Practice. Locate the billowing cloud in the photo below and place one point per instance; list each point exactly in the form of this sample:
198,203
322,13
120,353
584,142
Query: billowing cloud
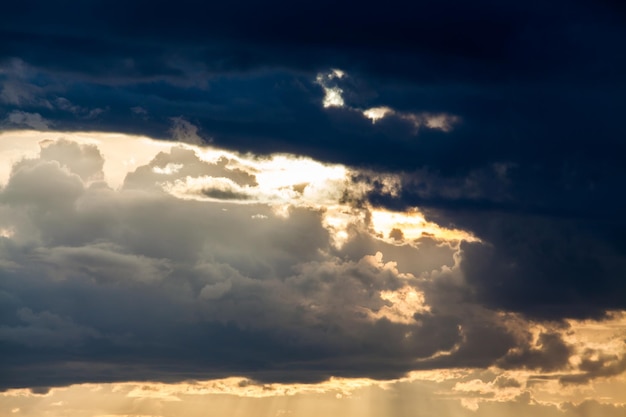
417,200
257,289
295,282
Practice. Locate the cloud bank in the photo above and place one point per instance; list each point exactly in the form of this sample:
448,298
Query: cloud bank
417,200
204,264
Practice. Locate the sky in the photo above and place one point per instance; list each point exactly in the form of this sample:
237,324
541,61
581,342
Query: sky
327,208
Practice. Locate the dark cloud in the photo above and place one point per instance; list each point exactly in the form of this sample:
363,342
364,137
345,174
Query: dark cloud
545,266
517,75
596,364
532,165
549,354
552,231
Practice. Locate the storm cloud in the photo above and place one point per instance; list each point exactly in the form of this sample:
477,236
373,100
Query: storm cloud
323,190
142,282
137,275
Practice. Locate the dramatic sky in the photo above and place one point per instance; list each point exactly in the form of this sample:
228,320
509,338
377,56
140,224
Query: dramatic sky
401,209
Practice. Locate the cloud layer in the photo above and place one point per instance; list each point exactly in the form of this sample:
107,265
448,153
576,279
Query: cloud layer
500,119
423,198
163,278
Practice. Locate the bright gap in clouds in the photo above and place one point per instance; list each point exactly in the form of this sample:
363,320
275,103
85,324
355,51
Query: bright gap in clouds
123,153
282,181
412,225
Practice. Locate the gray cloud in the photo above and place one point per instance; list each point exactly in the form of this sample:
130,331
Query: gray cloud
25,119
151,274
45,329
503,119
96,279
184,131
550,353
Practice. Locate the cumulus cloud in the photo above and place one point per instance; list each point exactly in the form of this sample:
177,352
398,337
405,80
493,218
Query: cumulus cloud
216,287
86,161
147,265
181,163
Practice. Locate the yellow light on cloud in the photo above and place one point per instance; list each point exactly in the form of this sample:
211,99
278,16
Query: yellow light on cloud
413,226
377,113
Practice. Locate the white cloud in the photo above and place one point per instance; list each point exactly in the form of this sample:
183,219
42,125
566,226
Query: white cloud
333,97
377,113
332,94
440,121
181,257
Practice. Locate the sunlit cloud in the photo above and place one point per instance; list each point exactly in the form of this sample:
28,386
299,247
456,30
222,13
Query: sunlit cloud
168,169
333,97
313,210
281,181
443,122
332,94
377,113
404,304
369,269
411,225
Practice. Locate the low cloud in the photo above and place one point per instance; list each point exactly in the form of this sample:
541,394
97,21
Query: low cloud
298,287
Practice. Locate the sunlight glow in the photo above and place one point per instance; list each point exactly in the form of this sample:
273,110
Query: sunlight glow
122,153
333,97
377,113
413,225
283,181
332,94
443,122
404,303
168,169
